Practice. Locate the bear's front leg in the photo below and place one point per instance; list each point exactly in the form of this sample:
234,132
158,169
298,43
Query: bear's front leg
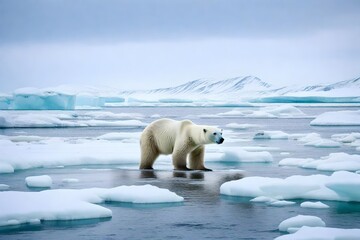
197,159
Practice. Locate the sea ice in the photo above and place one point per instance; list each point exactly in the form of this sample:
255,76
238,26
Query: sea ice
120,136
338,118
340,186
313,205
332,162
282,111
281,203
300,221
4,187
39,181
241,126
43,120
232,154
6,168
74,204
271,135
322,233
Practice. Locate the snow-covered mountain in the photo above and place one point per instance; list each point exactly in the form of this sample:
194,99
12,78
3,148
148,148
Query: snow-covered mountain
250,86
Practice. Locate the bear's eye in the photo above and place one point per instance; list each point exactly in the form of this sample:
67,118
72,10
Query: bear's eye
214,133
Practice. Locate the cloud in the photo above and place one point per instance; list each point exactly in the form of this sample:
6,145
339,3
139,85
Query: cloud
152,20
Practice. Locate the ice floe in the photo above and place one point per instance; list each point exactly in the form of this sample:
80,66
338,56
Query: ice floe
43,181
112,148
340,186
338,118
43,120
4,187
282,111
332,162
313,205
294,223
322,233
271,135
244,126
71,204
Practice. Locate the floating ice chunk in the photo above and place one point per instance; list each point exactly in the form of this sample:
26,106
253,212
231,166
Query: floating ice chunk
4,187
340,186
281,203
6,168
263,199
300,221
313,205
271,135
23,138
39,181
99,115
141,194
120,136
284,111
322,233
72,204
238,155
241,126
338,118
323,143
332,162
346,137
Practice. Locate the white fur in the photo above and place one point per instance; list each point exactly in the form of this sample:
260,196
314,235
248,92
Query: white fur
179,138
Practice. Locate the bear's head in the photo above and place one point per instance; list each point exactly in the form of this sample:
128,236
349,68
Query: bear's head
213,135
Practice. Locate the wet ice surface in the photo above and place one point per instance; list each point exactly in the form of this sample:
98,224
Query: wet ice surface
204,213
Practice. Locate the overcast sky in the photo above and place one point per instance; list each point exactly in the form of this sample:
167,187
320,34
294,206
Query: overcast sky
141,44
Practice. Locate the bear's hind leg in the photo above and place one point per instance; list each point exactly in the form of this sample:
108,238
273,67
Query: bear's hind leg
149,153
197,159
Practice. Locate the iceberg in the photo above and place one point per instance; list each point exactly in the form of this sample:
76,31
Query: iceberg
75,204
337,118
322,233
340,186
36,99
300,221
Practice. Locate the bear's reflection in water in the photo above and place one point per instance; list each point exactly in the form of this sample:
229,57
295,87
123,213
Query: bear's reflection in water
185,183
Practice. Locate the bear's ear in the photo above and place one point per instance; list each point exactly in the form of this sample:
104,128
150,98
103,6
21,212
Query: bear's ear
204,130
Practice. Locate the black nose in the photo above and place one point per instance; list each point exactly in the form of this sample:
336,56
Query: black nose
221,141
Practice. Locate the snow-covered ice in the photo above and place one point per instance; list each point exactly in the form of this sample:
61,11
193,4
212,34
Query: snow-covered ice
4,187
332,162
318,204
71,204
299,221
271,135
282,111
43,181
338,118
322,233
340,186
244,126
46,119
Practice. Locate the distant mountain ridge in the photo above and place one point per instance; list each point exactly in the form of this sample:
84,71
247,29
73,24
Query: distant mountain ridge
249,85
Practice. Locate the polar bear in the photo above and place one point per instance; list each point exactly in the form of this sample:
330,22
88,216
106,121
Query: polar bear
179,138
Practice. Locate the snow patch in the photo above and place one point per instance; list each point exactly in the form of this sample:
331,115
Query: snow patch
313,205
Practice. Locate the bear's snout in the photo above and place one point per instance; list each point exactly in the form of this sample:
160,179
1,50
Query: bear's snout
220,141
